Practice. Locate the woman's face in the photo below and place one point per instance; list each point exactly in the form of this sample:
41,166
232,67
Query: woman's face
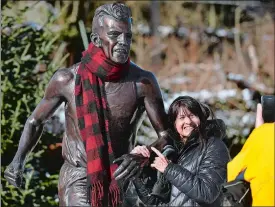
186,122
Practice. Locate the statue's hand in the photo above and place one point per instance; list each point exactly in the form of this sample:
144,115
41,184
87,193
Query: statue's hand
131,166
14,174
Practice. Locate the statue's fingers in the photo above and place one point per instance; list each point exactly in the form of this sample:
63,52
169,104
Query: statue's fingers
120,159
9,176
124,172
12,181
133,173
7,173
8,170
122,167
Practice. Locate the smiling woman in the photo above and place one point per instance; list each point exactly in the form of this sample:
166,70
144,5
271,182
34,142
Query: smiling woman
197,167
186,122
187,115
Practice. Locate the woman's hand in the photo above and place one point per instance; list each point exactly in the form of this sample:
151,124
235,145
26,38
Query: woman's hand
141,150
160,162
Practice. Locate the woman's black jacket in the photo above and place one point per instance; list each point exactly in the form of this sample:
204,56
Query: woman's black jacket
194,178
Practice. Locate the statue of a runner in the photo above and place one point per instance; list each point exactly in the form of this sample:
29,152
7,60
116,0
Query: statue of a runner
105,97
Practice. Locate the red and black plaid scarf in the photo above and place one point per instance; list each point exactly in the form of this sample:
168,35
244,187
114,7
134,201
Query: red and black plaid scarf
93,122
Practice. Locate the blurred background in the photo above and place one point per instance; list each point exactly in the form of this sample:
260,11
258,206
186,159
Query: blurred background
220,52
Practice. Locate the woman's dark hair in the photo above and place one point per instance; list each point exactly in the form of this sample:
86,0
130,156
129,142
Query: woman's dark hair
195,107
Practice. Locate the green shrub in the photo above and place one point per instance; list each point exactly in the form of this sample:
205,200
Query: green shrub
26,53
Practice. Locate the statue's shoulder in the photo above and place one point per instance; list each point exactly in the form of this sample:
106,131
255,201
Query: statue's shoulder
65,75
146,81
141,73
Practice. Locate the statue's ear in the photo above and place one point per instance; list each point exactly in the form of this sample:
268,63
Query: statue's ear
95,39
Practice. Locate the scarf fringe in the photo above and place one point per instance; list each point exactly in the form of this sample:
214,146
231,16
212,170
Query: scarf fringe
114,196
98,195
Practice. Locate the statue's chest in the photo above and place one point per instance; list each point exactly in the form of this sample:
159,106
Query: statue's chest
122,99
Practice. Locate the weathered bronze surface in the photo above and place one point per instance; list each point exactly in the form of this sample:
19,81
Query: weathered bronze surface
137,92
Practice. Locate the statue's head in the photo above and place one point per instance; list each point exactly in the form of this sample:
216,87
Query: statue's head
112,31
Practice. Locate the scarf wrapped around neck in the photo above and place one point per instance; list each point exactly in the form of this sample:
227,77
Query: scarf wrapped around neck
93,122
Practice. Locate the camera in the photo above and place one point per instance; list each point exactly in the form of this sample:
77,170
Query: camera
268,106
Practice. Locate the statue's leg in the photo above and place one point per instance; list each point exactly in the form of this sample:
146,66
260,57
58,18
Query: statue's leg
72,186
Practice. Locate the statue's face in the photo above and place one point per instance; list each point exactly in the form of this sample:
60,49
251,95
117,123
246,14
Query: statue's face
116,39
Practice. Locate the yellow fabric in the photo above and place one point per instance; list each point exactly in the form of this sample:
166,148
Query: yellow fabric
257,157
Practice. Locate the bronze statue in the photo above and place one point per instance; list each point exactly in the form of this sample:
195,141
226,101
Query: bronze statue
128,97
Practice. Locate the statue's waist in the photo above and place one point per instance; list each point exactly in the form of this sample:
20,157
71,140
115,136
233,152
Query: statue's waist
73,150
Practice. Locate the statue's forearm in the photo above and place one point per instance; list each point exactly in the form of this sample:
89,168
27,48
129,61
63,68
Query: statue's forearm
164,138
34,126
30,136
